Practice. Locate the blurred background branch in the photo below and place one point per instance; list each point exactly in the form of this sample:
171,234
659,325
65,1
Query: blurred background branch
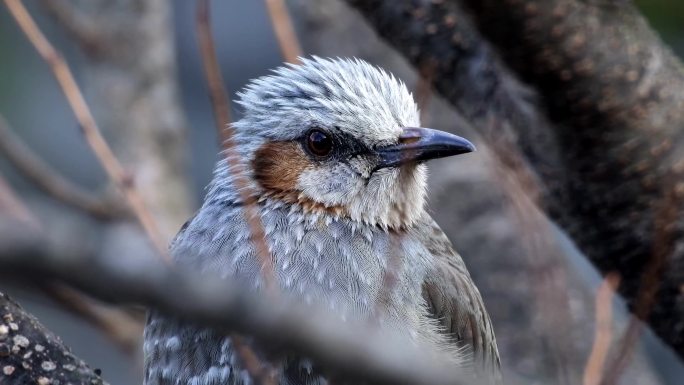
603,335
611,128
47,179
284,30
91,131
132,82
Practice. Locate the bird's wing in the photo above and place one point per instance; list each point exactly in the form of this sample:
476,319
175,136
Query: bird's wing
456,304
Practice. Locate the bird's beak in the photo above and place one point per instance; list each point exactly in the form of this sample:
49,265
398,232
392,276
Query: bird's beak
419,144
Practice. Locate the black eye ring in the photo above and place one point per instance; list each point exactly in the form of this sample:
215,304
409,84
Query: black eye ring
319,143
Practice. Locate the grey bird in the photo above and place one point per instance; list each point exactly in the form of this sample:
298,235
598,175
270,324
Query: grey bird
334,153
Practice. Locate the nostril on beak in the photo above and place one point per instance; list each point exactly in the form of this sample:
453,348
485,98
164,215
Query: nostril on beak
409,135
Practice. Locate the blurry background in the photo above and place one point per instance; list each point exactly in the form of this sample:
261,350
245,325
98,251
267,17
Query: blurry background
537,343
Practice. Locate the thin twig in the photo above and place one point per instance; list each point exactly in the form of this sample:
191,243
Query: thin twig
593,371
212,71
51,182
220,105
89,127
284,30
232,156
12,206
666,213
117,325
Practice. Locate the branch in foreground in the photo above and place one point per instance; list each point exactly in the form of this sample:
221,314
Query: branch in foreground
117,325
31,354
349,353
221,108
217,92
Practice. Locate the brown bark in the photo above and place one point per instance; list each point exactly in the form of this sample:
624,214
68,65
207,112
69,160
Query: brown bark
612,150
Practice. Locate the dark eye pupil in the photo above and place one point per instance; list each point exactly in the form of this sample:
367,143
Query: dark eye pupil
319,143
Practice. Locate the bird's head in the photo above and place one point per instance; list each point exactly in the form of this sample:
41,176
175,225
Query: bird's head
339,137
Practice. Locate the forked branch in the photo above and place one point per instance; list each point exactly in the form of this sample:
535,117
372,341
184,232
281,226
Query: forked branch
91,132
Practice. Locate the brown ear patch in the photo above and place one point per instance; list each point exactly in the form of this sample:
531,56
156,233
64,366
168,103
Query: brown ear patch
278,165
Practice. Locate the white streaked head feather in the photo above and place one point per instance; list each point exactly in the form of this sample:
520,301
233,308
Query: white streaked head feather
348,95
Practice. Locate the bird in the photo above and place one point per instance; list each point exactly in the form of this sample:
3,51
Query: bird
333,156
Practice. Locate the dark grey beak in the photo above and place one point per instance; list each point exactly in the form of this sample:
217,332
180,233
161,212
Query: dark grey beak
419,144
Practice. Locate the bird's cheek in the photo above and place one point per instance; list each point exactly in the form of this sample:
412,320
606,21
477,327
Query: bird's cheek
278,166
362,166
323,186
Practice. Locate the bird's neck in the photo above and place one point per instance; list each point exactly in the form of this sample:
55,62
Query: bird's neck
392,202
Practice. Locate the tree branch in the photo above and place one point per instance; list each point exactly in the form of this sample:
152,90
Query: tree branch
352,353
615,136
614,90
284,30
603,334
220,105
49,180
31,354
83,28
217,91
118,326
91,131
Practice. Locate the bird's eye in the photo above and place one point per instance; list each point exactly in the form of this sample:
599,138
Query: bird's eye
319,143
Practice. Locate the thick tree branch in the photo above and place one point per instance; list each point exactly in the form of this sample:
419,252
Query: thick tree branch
31,354
350,353
614,89
613,92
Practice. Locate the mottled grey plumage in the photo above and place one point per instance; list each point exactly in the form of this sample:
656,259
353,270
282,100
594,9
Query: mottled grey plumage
334,225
